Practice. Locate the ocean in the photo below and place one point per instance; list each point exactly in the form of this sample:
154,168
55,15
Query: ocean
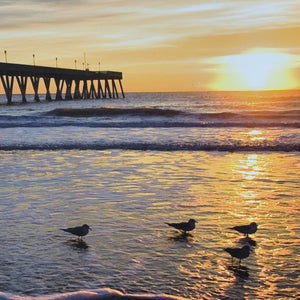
126,167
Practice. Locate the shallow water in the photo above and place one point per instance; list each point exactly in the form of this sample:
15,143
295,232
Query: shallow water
126,196
127,166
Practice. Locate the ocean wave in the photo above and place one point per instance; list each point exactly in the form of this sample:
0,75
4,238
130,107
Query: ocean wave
104,111
150,111
38,122
144,146
107,294
253,115
145,117
152,125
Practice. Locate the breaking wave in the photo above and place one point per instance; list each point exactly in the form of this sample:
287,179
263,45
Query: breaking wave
145,146
103,111
147,111
145,117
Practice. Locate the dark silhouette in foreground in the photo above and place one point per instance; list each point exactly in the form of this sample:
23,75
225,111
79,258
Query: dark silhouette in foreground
80,231
184,226
238,253
246,229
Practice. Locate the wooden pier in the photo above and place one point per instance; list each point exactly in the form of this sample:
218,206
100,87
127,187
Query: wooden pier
68,83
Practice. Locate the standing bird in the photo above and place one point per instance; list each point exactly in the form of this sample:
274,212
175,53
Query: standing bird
239,253
80,231
184,226
246,229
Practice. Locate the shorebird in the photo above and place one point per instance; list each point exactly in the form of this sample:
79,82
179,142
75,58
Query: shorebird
239,253
184,226
246,229
80,231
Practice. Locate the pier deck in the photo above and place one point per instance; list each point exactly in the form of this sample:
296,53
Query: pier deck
69,83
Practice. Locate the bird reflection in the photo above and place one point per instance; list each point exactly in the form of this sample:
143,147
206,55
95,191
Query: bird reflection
242,271
247,240
80,244
182,237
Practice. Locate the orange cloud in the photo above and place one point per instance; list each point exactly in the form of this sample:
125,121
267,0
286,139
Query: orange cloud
169,45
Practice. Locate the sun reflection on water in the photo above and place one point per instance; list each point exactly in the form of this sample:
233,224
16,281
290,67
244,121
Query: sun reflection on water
256,135
127,197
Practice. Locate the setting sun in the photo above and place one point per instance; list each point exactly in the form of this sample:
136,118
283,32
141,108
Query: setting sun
256,70
174,46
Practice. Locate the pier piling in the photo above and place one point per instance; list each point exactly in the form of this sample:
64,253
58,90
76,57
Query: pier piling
47,85
22,81
35,83
8,83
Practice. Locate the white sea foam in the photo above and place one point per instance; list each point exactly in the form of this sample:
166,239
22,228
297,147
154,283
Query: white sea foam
106,294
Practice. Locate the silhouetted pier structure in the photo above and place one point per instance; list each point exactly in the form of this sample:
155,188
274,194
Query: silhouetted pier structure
70,83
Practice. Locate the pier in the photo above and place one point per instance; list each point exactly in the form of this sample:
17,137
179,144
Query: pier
68,83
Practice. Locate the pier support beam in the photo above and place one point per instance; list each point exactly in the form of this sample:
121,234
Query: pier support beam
22,81
47,85
68,95
85,92
35,84
8,83
121,87
59,87
100,90
92,93
77,94
114,89
107,88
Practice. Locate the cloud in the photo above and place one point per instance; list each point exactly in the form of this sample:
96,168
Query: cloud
148,16
156,34
143,22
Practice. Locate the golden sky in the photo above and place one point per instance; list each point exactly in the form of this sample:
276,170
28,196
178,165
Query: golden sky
165,45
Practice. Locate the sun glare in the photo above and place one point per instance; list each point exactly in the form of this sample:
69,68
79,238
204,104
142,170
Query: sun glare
256,70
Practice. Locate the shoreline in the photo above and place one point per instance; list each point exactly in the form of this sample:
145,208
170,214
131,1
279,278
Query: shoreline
105,293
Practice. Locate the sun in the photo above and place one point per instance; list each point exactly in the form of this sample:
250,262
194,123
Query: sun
255,70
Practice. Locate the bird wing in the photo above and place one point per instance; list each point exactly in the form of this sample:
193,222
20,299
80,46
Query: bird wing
73,230
242,228
177,225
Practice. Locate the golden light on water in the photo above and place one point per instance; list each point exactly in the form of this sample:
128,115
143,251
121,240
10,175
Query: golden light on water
256,70
256,135
243,188
251,167
128,195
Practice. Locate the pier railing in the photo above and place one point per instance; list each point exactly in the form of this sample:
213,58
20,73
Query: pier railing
69,83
